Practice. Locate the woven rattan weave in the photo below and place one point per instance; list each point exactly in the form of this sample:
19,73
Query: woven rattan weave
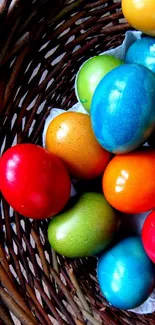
42,45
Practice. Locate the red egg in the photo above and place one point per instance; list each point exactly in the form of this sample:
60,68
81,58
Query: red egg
148,235
33,181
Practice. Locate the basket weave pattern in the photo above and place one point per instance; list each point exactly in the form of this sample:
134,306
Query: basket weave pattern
43,43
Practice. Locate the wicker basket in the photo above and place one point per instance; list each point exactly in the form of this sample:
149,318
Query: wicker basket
43,43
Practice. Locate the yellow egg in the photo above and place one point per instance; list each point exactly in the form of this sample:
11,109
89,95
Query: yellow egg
140,14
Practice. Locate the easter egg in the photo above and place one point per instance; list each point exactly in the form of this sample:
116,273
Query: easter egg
142,52
85,228
90,74
126,274
140,15
148,235
33,181
70,137
128,181
123,110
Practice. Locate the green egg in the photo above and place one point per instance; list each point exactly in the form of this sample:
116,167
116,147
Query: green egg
85,229
90,74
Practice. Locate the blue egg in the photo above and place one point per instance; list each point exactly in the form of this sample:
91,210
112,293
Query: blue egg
126,274
123,108
142,52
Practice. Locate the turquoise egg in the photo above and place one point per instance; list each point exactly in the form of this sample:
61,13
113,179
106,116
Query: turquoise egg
123,108
126,274
142,52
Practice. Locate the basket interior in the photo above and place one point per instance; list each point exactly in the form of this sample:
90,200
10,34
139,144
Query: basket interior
43,43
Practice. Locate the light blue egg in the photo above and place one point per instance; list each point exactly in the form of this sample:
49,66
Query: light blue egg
142,52
123,108
126,275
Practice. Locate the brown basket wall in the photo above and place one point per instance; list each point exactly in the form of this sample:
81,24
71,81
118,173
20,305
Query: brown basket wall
36,285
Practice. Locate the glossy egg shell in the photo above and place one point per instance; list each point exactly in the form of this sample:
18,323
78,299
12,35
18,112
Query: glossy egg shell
71,138
148,235
128,181
126,274
33,181
140,15
85,229
123,110
90,74
142,52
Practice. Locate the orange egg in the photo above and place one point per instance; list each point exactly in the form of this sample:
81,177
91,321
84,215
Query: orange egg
70,137
140,14
128,181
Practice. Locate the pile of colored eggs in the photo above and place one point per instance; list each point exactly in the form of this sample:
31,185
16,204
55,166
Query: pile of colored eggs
105,143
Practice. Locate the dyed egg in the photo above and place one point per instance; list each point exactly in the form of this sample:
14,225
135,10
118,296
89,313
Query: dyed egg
123,110
142,52
85,229
148,235
90,74
33,181
128,181
140,15
126,274
71,138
